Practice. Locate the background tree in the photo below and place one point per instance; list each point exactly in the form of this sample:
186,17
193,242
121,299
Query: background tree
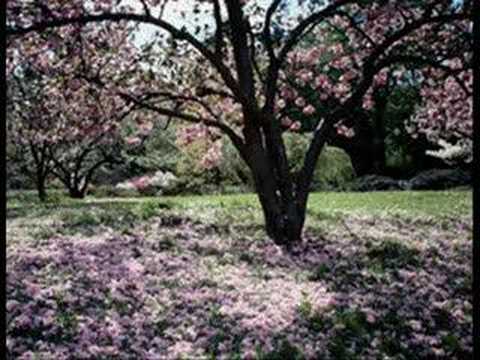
445,115
27,125
82,123
380,35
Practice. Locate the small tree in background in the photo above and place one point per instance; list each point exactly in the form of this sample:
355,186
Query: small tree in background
27,125
73,122
445,115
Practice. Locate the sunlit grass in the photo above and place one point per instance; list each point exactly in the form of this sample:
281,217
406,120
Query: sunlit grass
404,203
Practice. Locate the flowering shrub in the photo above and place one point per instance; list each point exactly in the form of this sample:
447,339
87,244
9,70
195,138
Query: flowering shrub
445,116
161,182
461,151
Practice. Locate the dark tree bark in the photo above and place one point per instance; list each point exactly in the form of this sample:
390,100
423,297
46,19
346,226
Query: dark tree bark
360,148
77,177
378,143
367,148
42,193
41,159
76,193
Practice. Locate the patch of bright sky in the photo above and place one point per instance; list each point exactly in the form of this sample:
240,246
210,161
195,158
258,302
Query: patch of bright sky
190,21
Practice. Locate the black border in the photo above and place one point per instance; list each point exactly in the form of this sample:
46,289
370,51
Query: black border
3,201
475,171
476,180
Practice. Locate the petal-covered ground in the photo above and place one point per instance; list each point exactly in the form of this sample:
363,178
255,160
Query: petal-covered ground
146,281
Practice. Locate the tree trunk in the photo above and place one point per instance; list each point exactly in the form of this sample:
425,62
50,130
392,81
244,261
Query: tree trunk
283,222
378,142
365,148
283,219
76,193
42,194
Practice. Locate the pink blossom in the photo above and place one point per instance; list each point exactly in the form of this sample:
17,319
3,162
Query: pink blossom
308,110
300,102
295,126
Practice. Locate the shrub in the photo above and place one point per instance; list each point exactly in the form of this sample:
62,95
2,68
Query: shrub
334,170
234,171
231,175
158,183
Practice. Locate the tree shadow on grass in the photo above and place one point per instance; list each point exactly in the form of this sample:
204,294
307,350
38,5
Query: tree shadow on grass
412,302
192,289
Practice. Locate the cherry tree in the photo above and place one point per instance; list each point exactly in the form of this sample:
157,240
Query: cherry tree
232,76
445,114
26,128
72,122
329,67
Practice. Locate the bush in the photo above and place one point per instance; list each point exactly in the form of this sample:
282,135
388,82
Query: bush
160,183
105,191
231,175
334,170
234,171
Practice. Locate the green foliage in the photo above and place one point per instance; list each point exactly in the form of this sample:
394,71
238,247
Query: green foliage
158,152
352,328
121,216
232,175
234,170
319,273
305,308
334,170
193,179
285,351
391,253
161,151
84,218
451,343
354,322
399,146
313,318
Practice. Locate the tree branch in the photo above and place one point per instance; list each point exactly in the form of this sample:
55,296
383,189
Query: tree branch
236,139
314,18
267,35
147,19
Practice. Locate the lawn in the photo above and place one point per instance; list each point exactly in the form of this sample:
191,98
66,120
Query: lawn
378,275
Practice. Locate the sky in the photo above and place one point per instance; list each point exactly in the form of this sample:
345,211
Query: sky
172,15
174,9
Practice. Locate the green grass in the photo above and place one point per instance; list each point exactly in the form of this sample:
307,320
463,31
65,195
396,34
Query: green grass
321,205
432,203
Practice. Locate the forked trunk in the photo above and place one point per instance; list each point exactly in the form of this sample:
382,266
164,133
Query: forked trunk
42,194
284,218
76,193
283,224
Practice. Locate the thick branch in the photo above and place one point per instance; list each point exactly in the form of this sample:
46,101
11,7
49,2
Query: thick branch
267,35
219,28
144,18
237,140
314,18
